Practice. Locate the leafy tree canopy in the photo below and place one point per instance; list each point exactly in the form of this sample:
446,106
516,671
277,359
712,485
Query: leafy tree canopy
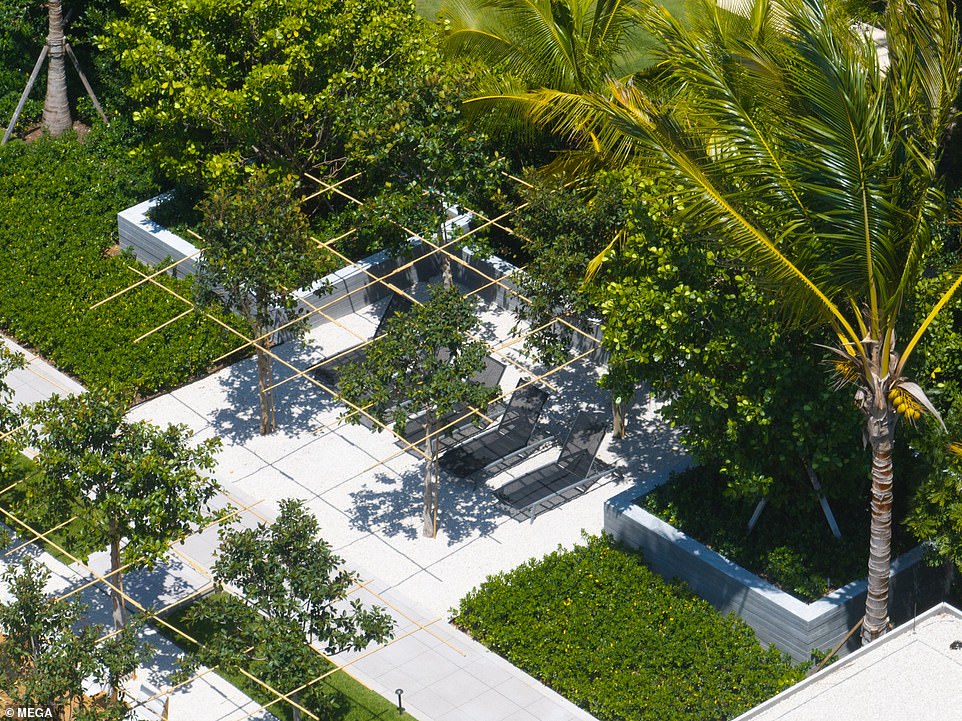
751,394
257,247
128,482
257,250
424,365
224,83
296,590
47,651
797,147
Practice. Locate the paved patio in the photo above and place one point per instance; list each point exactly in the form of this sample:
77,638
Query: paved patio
365,489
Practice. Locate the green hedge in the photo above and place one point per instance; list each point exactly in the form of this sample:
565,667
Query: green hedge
791,547
603,630
58,216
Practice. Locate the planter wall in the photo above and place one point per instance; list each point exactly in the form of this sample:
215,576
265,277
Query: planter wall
349,289
777,617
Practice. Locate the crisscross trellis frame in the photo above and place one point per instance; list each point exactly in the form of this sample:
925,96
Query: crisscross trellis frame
445,247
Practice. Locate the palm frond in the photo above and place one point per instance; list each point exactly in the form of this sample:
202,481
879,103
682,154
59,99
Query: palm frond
929,318
636,118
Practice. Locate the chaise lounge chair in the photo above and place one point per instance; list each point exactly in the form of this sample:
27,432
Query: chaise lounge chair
575,469
510,440
489,377
326,370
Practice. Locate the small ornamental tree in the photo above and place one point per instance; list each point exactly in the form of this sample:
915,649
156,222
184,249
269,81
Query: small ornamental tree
9,361
423,365
46,651
563,230
133,486
258,250
297,592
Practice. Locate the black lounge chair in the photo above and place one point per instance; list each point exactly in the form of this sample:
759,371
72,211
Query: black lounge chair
489,377
572,470
510,440
326,370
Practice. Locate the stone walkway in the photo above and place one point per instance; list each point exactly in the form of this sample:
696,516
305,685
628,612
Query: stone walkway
38,380
363,489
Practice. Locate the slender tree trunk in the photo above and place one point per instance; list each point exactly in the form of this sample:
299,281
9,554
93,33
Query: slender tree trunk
881,428
56,106
429,515
265,375
619,417
116,577
295,711
265,393
447,277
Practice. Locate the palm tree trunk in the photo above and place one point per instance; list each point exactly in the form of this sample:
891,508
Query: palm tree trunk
429,514
56,106
881,427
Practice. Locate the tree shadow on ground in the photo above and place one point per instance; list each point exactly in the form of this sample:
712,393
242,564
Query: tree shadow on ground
650,448
393,507
297,401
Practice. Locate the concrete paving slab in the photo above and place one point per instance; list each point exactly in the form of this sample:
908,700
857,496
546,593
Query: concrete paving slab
367,498
459,687
429,705
167,409
38,380
395,567
490,705
237,462
266,484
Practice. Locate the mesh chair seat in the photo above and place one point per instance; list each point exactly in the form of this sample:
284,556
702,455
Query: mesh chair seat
572,469
513,433
489,377
326,370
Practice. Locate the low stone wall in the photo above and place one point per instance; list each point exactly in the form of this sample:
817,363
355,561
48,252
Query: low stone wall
338,294
778,618
153,243
350,289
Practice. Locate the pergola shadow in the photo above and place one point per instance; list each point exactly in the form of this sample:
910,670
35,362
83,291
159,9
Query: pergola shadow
393,507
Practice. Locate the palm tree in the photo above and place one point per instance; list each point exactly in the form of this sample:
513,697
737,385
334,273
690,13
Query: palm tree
818,164
571,46
56,106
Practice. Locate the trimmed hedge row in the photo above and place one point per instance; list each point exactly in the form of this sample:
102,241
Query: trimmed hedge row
603,630
791,547
58,205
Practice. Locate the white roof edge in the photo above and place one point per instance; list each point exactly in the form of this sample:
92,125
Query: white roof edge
907,627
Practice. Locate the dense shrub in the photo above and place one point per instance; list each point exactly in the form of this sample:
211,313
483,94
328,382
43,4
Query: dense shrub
58,206
791,546
603,630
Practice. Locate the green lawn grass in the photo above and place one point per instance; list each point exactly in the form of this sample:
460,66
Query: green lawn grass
356,701
14,502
